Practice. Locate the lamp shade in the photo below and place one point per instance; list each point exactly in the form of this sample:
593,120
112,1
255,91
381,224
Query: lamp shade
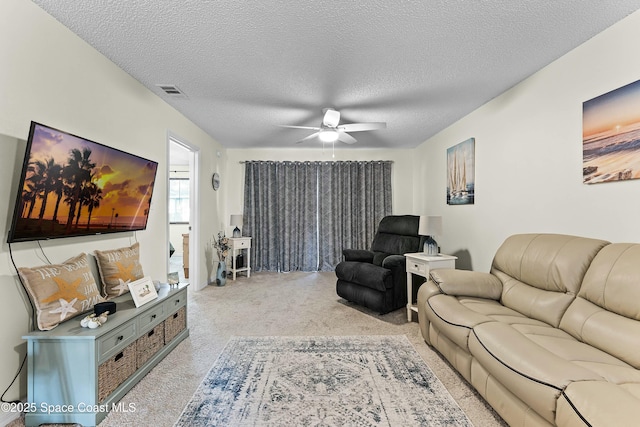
236,220
430,226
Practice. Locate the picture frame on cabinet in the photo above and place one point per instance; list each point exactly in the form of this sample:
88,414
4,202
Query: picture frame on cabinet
173,278
142,291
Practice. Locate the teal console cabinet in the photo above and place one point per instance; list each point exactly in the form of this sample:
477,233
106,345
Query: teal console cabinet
78,375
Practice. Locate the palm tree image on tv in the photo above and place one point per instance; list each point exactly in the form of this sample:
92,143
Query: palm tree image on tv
72,186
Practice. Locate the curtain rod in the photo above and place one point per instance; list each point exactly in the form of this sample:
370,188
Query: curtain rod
317,161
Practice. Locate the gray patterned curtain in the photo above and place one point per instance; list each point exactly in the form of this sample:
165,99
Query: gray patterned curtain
302,214
354,196
260,214
297,215
280,214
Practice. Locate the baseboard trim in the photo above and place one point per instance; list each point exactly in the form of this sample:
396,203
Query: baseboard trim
7,417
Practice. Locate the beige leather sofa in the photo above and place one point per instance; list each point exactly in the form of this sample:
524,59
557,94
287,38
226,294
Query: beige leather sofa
551,336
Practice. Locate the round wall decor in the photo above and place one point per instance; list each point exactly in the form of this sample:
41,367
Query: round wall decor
215,181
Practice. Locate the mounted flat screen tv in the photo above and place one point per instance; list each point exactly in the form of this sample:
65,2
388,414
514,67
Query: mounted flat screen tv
71,186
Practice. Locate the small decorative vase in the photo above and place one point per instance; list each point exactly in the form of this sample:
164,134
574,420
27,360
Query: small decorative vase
221,274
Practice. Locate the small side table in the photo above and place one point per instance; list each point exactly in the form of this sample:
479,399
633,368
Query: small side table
421,264
238,244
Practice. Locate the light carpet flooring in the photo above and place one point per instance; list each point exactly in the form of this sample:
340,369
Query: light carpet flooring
286,304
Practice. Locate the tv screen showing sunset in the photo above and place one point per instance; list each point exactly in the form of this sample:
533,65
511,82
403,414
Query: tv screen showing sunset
71,186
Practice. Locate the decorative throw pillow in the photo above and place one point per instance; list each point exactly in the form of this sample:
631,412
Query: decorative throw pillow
117,268
61,291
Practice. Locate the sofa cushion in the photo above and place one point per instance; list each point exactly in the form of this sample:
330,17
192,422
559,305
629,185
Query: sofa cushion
582,404
364,274
456,316
378,258
541,273
397,234
612,280
606,312
404,225
532,372
395,244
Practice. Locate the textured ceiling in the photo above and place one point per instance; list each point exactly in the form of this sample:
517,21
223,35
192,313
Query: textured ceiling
246,67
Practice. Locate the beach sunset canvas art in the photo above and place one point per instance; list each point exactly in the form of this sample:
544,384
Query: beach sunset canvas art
611,136
71,186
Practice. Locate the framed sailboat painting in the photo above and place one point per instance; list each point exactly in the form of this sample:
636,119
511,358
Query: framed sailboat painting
461,173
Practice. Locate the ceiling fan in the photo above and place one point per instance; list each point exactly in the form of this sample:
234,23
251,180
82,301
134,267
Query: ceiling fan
331,131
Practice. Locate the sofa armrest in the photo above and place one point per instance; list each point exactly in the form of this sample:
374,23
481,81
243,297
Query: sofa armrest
467,283
394,261
358,255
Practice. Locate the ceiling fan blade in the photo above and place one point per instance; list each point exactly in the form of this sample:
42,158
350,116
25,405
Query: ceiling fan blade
346,138
313,135
359,127
299,127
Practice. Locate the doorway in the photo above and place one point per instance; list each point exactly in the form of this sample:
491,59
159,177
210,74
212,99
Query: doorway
183,208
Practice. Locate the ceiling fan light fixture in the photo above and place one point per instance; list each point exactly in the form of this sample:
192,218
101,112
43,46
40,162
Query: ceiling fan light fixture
331,131
328,135
331,117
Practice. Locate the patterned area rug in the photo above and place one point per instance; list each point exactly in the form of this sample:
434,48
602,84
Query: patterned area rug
321,381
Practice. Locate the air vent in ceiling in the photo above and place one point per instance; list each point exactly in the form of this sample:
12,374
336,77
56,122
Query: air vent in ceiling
172,91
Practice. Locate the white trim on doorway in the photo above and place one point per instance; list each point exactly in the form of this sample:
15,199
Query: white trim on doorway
194,207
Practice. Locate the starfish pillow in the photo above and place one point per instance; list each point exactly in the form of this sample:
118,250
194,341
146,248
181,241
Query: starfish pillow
117,268
61,291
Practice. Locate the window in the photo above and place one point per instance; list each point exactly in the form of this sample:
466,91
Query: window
179,201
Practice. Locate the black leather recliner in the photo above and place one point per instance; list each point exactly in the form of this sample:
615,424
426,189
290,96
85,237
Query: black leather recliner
377,278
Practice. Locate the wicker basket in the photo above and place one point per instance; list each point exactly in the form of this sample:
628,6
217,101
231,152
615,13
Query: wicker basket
174,324
149,344
114,371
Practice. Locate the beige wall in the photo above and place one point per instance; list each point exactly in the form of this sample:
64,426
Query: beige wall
529,157
51,76
401,182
